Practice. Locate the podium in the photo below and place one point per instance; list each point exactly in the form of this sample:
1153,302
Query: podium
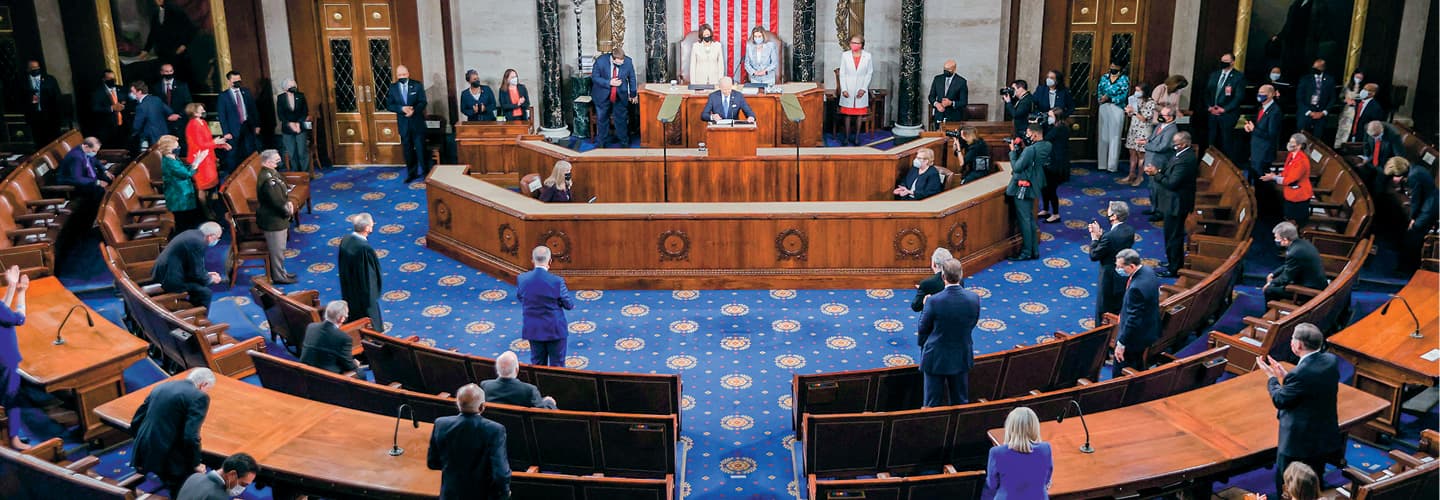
732,140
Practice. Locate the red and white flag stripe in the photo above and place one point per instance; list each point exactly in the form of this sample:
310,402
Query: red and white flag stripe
732,20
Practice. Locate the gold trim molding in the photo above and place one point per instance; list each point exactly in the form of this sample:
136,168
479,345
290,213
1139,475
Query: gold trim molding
1242,32
1357,36
111,51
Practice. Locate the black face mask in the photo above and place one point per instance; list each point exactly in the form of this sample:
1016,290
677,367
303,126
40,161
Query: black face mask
235,84
949,73
110,82
475,84
1225,65
404,80
293,89
1318,70
1114,71
34,72
567,177
706,38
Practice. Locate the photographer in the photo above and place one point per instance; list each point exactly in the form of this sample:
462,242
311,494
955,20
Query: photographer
973,153
1018,104
1027,179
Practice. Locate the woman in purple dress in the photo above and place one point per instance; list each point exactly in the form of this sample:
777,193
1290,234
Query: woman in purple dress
1020,468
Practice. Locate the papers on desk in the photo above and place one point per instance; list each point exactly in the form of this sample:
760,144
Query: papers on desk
1431,356
750,91
724,121
14,158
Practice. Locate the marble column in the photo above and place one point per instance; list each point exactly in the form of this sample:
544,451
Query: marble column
908,119
656,69
803,45
552,109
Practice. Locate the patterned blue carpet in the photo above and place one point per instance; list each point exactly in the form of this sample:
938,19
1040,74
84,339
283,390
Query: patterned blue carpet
736,350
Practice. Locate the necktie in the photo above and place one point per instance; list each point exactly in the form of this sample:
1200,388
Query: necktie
405,94
90,168
1355,125
292,100
1375,156
239,105
614,73
948,79
35,84
168,87
1261,116
1220,85
119,119
726,105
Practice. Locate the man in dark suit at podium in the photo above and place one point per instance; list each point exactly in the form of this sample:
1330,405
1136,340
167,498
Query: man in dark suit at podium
612,89
946,346
1305,400
726,104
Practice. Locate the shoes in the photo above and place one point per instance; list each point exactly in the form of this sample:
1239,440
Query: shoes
1126,180
290,276
1165,273
410,179
1053,218
283,281
1155,218
1043,214
1137,181
1021,258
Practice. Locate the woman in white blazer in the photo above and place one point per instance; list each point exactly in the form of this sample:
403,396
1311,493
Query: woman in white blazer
707,59
855,72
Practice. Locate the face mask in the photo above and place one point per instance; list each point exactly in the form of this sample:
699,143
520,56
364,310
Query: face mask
110,82
1291,147
949,73
236,491
90,154
1122,272
168,77
1260,98
1225,65
855,46
706,38
514,80
475,84
1049,82
1358,80
759,39
567,176
134,97
1274,77
917,163
235,84
404,80
212,243
1139,93
1317,70
1050,119
1279,244
1114,71
1162,119
34,72
1364,94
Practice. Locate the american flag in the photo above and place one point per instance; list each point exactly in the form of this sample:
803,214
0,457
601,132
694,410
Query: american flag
732,21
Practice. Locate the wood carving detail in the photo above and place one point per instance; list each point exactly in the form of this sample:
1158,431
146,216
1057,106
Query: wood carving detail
509,242
674,246
956,236
559,244
442,213
791,244
910,244
849,21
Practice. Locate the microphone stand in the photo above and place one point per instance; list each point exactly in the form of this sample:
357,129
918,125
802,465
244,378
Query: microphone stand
1415,334
61,340
395,449
1084,448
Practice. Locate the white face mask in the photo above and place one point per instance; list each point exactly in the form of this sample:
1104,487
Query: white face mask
1274,77
918,163
514,81
1364,94
1358,80
1049,82
1050,119
1139,93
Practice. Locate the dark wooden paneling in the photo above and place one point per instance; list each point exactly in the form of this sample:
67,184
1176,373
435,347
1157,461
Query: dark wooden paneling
1161,20
407,51
1053,43
1427,94
1377,54
1217,29
448,31
249,56
305,52
82,44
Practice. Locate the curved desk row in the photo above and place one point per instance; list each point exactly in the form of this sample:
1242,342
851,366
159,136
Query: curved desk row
719,245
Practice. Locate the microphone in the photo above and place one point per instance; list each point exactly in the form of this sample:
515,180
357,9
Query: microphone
1386,310
61,340
395,449
1084,448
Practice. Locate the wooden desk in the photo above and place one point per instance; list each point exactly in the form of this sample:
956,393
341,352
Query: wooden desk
1187,439
303,445
90,362
489,148
688,129
1385,356
736,140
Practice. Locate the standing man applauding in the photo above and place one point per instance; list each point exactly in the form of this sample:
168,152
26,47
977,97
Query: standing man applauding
544,297
1305,399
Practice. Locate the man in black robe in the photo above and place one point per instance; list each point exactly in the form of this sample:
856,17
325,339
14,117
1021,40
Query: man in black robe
360,272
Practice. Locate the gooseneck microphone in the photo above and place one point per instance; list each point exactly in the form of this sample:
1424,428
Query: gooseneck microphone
61,340
1415,334
395,449
1084,448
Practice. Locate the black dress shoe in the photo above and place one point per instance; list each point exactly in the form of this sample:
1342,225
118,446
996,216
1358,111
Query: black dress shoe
1165,273
290,276
283,281
1155,218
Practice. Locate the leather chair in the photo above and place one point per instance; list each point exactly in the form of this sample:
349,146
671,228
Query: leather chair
247,241
289,313
682,56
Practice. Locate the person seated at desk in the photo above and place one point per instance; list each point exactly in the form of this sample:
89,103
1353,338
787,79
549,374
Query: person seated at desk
505,388
477,103
557,186
974,154
923,180
726,104
327,347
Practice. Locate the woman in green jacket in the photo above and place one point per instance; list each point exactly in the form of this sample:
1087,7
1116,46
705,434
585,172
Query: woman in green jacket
180,196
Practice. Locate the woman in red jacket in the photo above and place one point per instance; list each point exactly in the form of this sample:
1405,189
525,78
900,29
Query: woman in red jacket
197,139
1294,181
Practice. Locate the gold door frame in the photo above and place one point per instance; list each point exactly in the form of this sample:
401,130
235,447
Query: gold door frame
1352,49
112,52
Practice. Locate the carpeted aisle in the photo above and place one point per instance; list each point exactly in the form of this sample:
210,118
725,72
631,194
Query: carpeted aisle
736,350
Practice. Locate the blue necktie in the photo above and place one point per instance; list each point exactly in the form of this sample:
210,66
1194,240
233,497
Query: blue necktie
726,105
405,94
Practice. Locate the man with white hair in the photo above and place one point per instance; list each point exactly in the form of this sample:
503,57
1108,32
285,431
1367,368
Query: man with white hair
359,269
506,388
544,297
167,428
273,213
181,266
326,346
726,104
929,286
469,450
292,112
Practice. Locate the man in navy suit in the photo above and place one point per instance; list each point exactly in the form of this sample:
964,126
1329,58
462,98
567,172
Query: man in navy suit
167,428
1366,110
239,120
469,451
946,347
1139,312
612,89
1305,402
544,298
1314,94
407,100
175,94
150,115
726,104
41,103
1104,245
949,93
79,168
1223,91
1264,132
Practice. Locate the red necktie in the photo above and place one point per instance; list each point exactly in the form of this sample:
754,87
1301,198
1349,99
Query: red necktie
614,73
167,94
1355,126
1261,117
1375,157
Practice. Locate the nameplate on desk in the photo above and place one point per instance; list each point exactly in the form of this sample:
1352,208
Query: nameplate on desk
1431,356
1209,159
1429,158
432,123
1315,155
700,87
128,191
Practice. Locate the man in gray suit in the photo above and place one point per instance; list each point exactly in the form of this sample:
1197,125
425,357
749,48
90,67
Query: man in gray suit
507,389
1158,152
235,474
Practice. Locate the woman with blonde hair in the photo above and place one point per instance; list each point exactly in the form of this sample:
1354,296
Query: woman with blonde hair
180,197
557,186
1301,483
1020,468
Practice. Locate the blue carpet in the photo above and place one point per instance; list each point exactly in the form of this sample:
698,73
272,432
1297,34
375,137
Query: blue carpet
736,350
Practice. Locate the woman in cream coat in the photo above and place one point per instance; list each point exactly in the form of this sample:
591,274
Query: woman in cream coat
855,72
707,59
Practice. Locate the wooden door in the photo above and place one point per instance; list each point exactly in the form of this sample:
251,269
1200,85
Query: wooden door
1099,32
358,52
